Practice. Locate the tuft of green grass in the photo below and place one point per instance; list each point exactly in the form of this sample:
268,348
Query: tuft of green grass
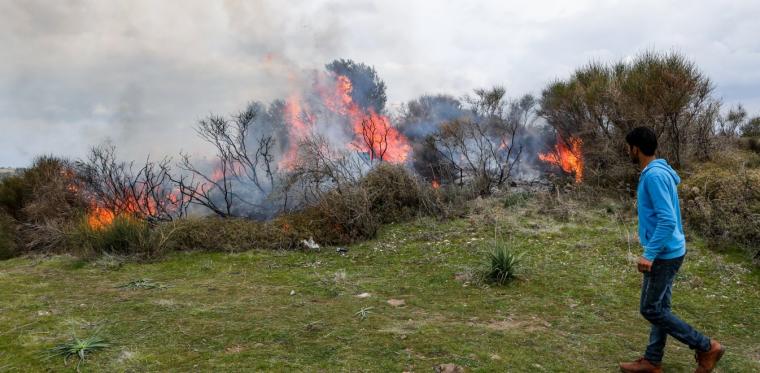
143,283
78,348
502,265
518,199
364,312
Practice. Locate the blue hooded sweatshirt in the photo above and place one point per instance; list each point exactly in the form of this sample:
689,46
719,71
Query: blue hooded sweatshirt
660,229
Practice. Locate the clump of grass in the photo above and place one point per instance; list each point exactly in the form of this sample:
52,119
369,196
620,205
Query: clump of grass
502,264
143,283
518,199
78,348
364,312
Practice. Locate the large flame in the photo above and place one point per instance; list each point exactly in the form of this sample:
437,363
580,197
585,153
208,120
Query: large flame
569,159
373,133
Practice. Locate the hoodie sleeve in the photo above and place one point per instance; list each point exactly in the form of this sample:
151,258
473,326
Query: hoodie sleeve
657,187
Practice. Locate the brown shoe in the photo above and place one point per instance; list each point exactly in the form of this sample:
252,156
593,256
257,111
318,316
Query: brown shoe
640,366
707,360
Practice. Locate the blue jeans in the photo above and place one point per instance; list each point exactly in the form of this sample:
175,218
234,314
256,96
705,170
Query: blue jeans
655,307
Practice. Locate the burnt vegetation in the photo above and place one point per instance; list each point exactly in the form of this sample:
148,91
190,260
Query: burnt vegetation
334,166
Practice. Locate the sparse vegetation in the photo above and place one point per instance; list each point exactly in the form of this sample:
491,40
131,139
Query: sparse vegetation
722,201
79,349
502,264
575,303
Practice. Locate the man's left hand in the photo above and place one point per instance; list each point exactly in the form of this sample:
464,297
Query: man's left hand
644,265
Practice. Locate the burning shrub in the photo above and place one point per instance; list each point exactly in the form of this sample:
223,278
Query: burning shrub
125,235
485,147
722,201
114,188
478,140
599,104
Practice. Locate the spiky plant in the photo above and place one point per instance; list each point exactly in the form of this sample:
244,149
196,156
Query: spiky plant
363,313
78,348
502,264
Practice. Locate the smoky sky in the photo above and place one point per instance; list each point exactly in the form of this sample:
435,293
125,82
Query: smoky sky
140,74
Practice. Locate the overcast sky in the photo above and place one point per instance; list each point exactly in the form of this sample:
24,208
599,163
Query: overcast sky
141,73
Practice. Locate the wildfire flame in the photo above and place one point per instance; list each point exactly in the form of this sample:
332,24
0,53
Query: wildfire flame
436,184
99,217
569,159
373,132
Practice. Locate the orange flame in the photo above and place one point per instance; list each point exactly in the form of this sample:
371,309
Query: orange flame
373,133
569,159
99,217
436,184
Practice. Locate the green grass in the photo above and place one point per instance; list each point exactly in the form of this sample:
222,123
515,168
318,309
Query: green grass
574,306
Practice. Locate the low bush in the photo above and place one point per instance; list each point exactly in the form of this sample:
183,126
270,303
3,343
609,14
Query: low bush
43,201
722,201
220,234
8,244
124,236
343,216
394,193
517,199
502,264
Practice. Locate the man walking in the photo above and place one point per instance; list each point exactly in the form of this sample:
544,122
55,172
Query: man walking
661,235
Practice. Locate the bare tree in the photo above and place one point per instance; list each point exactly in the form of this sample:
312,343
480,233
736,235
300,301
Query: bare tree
243,159
375,137
485,146
319,169
146,193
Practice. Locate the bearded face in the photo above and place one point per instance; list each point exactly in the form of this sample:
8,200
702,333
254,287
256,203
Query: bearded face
633,151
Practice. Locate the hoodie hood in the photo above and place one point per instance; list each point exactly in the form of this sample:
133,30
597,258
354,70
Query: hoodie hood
662,165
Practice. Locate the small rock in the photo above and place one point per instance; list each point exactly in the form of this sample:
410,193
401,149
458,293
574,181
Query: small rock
43,313
310,244
449,368
495,357
292,292
396,302
364,295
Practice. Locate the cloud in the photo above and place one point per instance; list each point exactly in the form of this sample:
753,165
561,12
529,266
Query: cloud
141,73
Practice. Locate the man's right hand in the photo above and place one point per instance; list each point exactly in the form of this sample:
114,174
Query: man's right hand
644,265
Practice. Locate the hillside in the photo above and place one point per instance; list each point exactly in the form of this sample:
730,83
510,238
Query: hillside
574,307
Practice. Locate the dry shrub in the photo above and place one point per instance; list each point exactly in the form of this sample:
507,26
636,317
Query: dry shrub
234,234
8,244
44,202
751,143
722,200
124,236
394,193
344,216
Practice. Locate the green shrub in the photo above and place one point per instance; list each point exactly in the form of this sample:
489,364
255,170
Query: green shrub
124,236
502,264
78,349
8,244
518,199
722,202
12,195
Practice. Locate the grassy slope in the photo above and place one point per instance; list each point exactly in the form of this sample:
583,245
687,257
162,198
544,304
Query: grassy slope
574,308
